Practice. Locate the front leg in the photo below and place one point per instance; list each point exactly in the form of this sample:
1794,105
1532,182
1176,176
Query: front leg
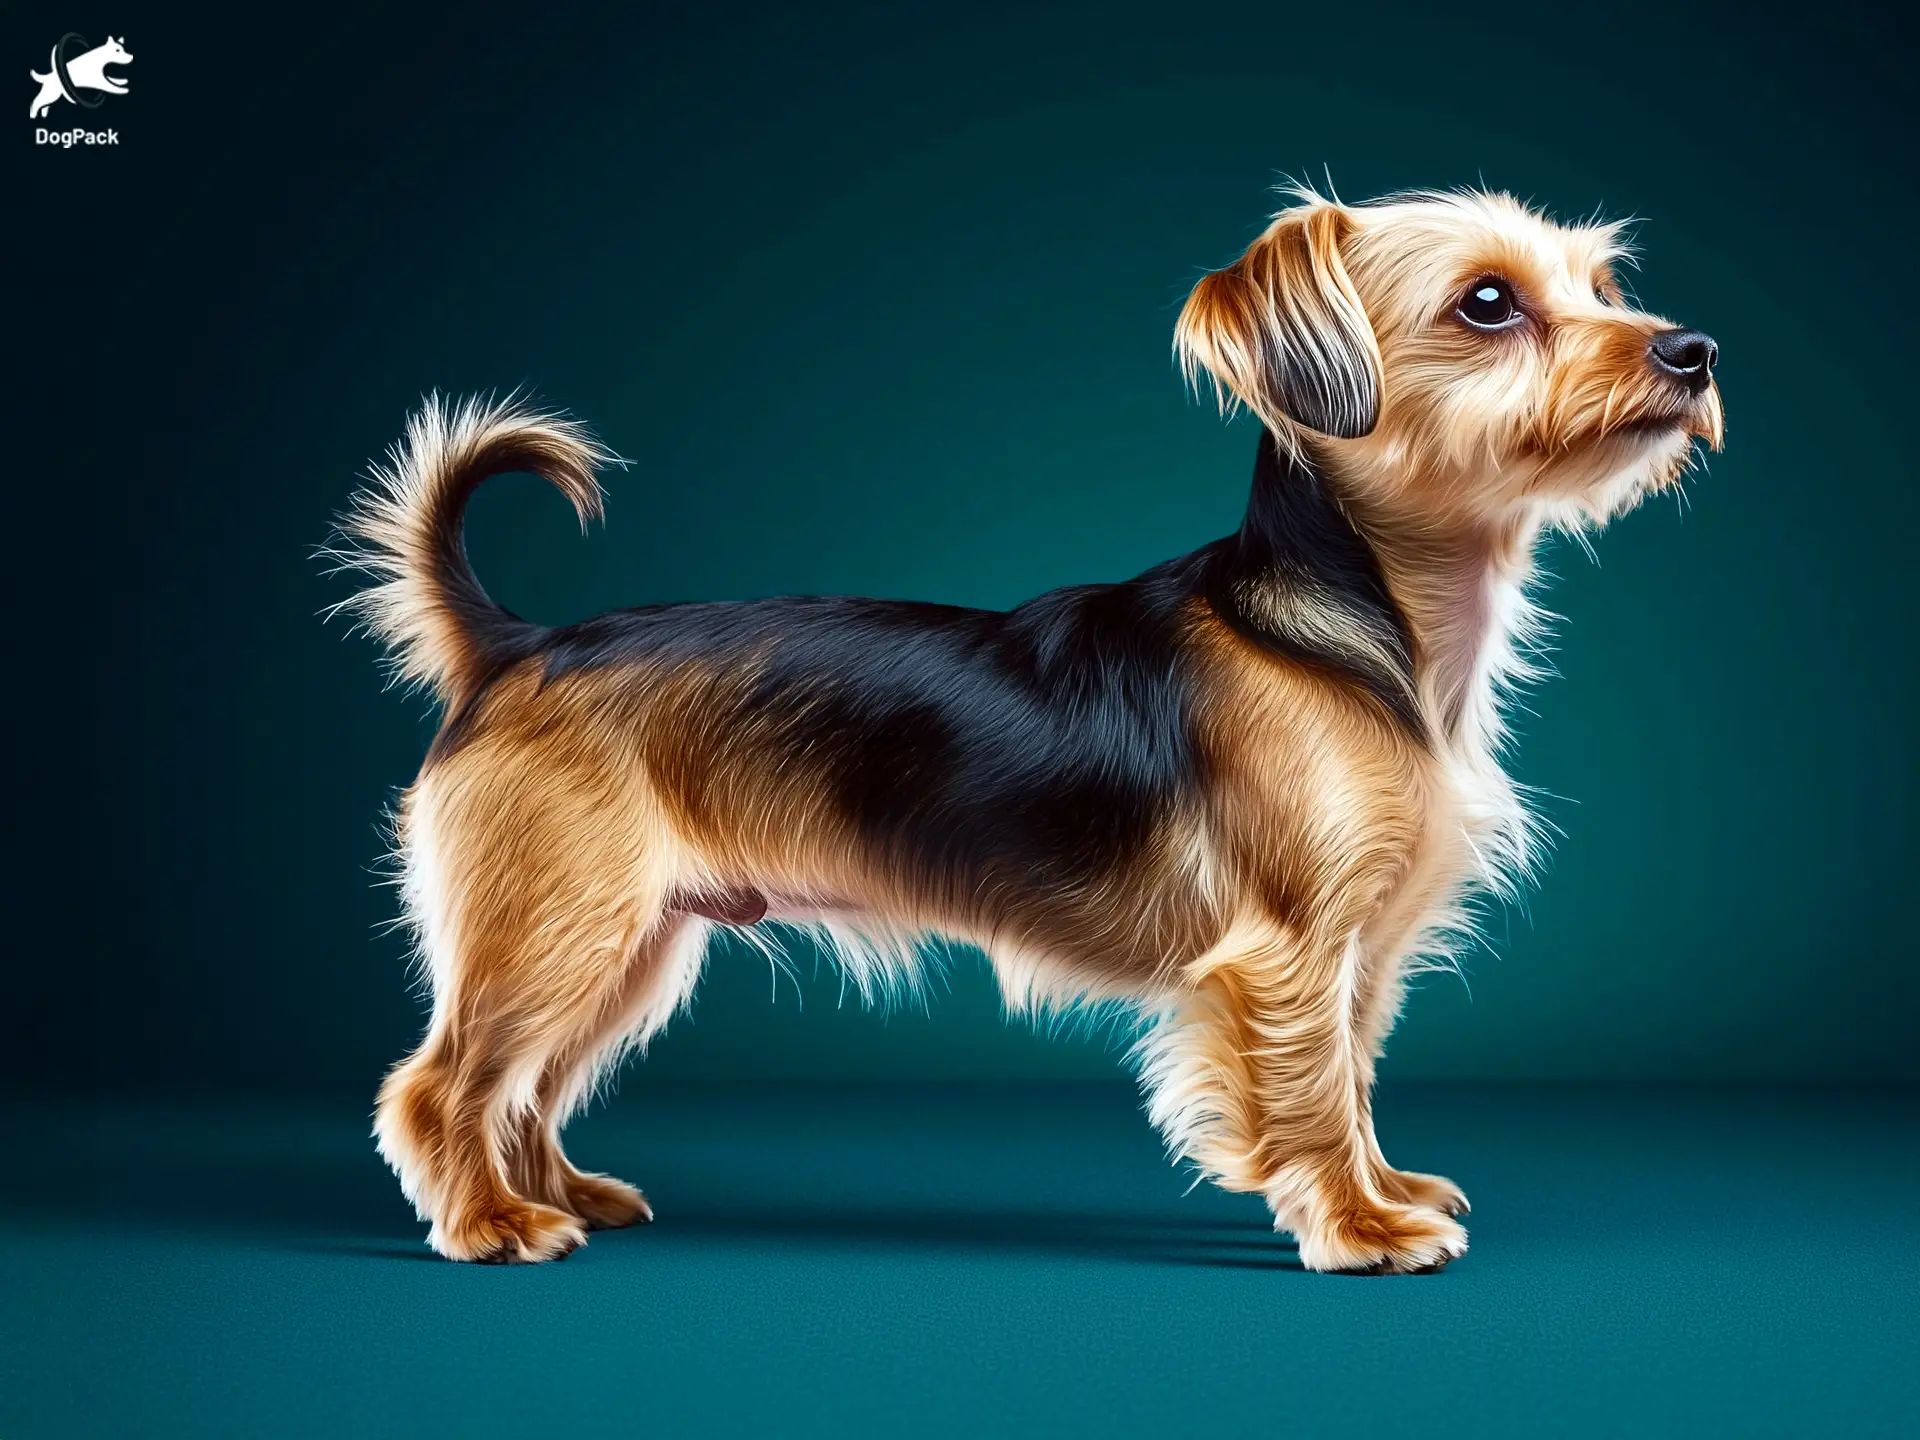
1378,995
1257,1079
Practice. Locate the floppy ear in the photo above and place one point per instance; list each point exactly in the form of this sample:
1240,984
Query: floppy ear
1282,330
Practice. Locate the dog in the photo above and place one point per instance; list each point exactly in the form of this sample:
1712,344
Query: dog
1246,793
88,71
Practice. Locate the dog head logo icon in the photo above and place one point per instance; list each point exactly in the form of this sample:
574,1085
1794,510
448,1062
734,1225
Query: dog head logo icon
75,71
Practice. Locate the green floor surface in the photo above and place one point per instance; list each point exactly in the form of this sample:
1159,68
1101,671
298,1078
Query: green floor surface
972,1261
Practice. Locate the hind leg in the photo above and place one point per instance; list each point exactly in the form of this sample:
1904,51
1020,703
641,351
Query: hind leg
439,1127
600,1202
532,890
659,979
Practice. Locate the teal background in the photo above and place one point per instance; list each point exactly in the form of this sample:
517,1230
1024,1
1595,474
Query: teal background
880,302
878,299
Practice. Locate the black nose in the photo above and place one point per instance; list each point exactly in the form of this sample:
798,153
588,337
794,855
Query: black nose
1687,355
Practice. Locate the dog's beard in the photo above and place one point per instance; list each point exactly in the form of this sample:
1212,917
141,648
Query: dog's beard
1611,475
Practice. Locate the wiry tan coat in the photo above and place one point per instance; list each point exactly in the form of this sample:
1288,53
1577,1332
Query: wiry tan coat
1302,790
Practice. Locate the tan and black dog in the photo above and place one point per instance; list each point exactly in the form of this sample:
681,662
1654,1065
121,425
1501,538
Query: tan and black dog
1244,792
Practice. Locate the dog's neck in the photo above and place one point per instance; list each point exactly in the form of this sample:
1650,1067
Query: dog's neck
1462,588
1425,618
1300,578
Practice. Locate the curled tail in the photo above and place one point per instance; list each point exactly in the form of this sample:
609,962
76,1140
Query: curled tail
403,530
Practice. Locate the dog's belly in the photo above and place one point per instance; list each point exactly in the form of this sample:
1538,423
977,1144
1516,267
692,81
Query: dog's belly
1056,963
1126,930
732,906
782,851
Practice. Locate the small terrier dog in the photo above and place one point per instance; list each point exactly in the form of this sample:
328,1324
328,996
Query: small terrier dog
1245,793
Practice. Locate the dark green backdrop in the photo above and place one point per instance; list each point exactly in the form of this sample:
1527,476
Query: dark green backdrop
878,300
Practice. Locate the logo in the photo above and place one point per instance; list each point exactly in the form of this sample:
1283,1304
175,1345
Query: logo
78,74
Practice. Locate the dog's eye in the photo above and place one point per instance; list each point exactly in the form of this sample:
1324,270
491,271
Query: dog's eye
1488,305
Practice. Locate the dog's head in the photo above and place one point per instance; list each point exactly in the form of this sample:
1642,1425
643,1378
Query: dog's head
113,52
1457,355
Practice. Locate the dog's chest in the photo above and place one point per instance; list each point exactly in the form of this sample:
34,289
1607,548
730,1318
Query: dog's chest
1480,833
1479,803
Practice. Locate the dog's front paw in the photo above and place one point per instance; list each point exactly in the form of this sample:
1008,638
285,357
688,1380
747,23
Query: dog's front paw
1433,1192
1384,1240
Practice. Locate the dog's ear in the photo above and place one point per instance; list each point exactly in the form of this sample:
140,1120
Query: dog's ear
1282,330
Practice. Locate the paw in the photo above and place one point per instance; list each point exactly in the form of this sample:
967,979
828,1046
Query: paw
514,1233
606,1203
1384,1240
1431,1192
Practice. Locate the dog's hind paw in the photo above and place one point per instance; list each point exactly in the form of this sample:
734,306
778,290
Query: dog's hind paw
1384,1240
606,1203
512,1234
1433,1192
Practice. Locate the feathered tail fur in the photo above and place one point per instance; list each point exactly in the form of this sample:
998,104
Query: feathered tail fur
404,531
